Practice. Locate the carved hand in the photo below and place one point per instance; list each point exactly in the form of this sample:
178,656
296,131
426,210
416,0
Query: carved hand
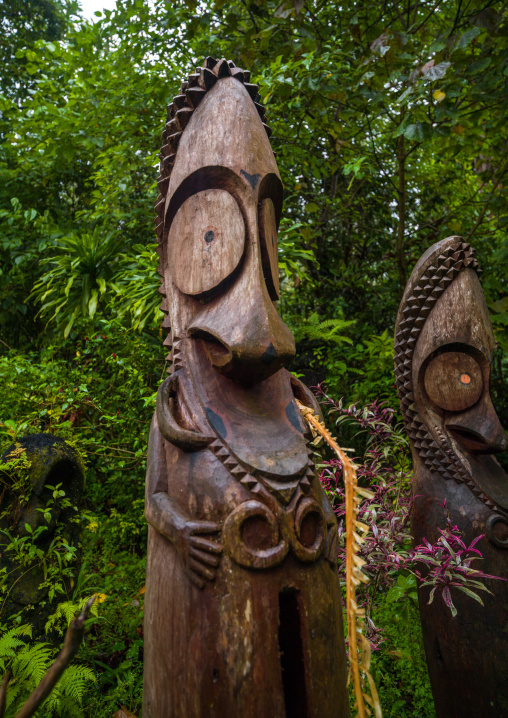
200,556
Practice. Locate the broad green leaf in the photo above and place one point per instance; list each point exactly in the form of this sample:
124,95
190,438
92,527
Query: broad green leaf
467,37
470,593
311,207
414,132
92,304
68,328
501,305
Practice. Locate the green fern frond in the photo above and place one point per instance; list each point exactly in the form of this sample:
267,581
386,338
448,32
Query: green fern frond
71,690
64,614
29,663
14,692
10,641
326,330
24,630
28,667
32,662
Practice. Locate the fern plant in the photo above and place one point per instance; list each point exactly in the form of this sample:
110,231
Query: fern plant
323,330
28,663
59,621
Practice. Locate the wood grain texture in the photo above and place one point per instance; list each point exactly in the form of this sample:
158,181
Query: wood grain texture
215,652
443,351
243,611
453,381
206,242
238,140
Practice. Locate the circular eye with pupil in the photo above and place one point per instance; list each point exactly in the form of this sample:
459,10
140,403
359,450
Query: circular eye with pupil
453,381
206,241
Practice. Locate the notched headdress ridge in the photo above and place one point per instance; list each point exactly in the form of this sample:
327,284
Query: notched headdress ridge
180,111
451,257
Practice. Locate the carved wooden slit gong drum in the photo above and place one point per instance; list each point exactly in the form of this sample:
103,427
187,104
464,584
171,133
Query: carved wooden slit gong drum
443,351
243,612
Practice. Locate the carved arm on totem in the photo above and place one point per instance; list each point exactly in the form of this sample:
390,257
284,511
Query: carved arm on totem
200,555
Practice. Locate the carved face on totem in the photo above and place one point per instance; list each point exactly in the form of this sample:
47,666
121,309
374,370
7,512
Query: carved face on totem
218,212
443,351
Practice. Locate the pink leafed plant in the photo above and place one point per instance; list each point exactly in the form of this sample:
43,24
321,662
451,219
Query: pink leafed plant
390,559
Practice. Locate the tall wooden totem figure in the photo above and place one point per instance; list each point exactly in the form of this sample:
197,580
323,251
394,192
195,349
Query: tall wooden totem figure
243,611
443,351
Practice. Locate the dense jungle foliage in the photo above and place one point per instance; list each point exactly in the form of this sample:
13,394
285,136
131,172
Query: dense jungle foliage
389,126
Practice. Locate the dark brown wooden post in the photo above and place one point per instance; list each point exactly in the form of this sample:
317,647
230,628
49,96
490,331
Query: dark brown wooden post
243,611
443,352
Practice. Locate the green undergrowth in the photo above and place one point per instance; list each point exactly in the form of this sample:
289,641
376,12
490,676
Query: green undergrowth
398,666
97,390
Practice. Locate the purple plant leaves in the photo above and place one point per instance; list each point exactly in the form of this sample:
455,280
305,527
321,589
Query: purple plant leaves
447,598
445,565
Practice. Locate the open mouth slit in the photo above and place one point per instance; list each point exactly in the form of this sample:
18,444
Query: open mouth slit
469,439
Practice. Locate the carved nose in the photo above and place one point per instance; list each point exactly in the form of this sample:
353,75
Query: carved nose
244,337
479,429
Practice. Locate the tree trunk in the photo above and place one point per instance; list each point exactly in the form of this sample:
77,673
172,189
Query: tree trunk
401,190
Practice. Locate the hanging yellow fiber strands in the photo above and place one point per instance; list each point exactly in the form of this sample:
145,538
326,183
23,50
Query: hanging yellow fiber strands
359,648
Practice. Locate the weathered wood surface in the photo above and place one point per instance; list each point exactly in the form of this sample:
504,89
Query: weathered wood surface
443,351
243,612
207,241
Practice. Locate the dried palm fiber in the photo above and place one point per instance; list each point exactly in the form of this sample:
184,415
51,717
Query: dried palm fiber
359,648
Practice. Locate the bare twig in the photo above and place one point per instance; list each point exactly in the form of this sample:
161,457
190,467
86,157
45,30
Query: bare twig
71,646
251,15
427,17
3,692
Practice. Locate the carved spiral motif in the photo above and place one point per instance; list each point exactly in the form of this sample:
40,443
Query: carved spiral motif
439,458
255,538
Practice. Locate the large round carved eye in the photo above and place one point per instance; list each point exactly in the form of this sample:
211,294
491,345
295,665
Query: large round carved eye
453,381
206,241
268,242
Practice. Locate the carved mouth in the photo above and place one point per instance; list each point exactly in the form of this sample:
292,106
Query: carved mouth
470,440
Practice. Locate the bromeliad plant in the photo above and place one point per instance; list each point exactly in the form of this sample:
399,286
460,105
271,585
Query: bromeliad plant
76,276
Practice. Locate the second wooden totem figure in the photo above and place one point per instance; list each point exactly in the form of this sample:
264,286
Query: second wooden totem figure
243,611
443,351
